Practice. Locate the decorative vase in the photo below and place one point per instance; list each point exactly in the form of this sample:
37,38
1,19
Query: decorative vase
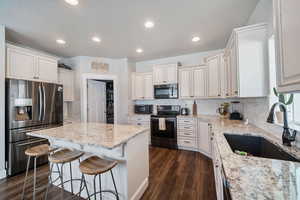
279,117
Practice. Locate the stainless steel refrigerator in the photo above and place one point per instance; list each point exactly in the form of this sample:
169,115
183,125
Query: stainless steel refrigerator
29,106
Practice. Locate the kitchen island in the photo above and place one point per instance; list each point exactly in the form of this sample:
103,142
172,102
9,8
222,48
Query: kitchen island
127,144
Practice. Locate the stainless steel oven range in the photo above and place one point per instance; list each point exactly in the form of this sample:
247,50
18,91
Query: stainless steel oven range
164,126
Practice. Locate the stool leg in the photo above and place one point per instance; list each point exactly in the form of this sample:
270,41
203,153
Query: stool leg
27,169
112,176
95,187
100,186
81,182
70,165
85,185
62,180
34,179
49,182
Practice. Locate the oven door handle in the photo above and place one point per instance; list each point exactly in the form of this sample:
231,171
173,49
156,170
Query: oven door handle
33,142
166,119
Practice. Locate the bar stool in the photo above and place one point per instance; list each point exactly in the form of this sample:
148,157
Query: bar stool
97,166
35,152
63,157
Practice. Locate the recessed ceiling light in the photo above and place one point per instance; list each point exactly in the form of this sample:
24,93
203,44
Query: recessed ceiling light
196,39
60,41
72,2
139,50
149,24
96,39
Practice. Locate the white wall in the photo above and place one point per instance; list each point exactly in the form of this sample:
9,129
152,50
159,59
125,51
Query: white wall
2,102
119,67
263,13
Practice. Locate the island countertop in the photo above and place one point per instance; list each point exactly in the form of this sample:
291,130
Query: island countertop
105,135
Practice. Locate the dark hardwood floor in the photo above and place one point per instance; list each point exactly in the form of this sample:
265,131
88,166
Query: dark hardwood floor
174,175
180,175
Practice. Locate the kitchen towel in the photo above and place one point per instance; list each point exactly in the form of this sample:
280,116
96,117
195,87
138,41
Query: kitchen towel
162,124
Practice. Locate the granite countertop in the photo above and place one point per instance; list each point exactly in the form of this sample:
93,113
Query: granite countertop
252,177
105,135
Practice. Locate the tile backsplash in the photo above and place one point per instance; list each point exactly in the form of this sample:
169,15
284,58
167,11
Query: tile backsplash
254,109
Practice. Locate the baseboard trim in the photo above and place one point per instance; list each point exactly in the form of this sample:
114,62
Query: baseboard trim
141,190
2,174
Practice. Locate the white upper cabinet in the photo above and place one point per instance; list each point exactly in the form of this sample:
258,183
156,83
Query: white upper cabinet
200,82
27,64
66,78
186,83
142,86
247,56
287,31
224,73
148,86
192,82
165,74
214,65
47,69
20,64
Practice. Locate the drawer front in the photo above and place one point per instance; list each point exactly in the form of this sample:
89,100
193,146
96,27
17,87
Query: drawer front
186,127
186,121
187,133
187,143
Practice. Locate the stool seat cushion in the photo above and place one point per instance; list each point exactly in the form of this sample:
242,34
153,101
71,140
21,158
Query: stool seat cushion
65,155
39,150
95,165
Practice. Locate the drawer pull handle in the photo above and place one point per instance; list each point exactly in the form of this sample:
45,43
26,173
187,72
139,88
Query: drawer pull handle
186,142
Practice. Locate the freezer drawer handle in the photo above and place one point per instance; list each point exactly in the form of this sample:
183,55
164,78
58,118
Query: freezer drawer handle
37,141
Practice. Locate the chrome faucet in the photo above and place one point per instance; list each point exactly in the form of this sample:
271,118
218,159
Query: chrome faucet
287,137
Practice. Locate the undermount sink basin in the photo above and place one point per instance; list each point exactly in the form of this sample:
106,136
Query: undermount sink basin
258,147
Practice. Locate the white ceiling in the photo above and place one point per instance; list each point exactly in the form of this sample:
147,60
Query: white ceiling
119,23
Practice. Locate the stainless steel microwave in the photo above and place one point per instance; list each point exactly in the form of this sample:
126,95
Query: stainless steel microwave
168,91
143,109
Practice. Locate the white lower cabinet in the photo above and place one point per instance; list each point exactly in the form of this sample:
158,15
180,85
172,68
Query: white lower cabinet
141,120
217,164
194,135
186,133
204,138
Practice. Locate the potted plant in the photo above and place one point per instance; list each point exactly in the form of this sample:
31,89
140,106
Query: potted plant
282,98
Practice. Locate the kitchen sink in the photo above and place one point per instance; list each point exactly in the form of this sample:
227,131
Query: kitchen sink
257,146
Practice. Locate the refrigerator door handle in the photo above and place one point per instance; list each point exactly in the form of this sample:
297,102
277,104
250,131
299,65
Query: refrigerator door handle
44,103
40,103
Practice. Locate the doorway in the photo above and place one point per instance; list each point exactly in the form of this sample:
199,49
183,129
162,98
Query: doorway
100,101
99,98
